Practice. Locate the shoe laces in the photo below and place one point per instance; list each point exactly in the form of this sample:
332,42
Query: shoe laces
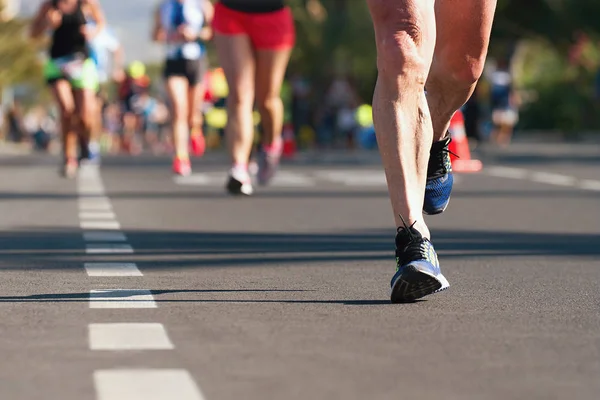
438,158
416,248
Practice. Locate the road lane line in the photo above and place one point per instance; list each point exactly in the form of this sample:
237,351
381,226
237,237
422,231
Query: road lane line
112,269
553,179
146,384
100,225
121,298
107,248
128,336
505,172
291,179
91,190
104,236
353,177
588,184
96,206
96,215
194,179
544,177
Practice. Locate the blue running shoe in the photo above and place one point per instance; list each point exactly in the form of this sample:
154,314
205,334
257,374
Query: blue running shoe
418,271
439,178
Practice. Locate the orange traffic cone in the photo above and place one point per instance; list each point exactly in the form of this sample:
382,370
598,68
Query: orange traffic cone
459,145
289,141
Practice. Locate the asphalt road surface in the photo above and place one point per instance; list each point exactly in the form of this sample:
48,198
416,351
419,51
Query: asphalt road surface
128,284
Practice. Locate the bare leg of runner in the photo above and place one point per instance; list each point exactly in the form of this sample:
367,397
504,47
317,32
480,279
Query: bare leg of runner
460,52
195,101
270,71
85,105
64,97
237,58
405,36
177,88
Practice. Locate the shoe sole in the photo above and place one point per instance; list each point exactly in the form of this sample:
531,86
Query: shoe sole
235,188
437,212
414,284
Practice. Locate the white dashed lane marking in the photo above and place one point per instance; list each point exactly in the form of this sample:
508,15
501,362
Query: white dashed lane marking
588,184
128,336
121,298
100,225
553,179
112,269
97,215
95,204
543,177
103,236
289,179
146,384
505,172
108,249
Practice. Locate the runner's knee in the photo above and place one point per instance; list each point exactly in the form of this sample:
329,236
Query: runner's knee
67,112
461,63
180,112
401,38
269,104
240,101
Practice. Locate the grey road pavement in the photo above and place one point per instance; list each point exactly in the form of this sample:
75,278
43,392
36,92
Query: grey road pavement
130,284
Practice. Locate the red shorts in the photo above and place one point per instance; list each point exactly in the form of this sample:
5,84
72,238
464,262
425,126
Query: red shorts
267,31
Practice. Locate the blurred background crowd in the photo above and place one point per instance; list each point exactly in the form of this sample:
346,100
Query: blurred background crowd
543,75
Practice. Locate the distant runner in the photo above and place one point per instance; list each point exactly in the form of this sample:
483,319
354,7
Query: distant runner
135,84
108,55
71,72
184,26
254,42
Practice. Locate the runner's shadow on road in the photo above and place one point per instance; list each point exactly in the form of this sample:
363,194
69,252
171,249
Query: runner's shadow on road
128,296
113,295
204,194
59,249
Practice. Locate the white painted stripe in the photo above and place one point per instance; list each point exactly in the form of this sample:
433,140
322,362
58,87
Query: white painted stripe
366,181
89,177
112,269
128,336
107,248
97,215
87,190
289,179
146,384
505,172
90,187
588,184
86,175
354,177
121,298
553,179
100,225
104,237
100,206
196,179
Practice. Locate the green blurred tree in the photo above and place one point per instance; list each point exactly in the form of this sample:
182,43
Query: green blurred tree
336,37
19,55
